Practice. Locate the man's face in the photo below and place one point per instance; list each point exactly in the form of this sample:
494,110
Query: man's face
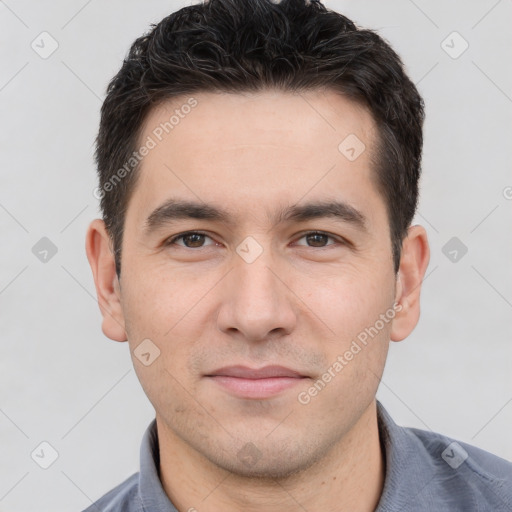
259,290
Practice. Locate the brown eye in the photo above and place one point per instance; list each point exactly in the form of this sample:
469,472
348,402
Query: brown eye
191,240
318,239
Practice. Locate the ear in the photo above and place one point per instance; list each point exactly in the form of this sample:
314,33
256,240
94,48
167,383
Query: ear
101,259
413,264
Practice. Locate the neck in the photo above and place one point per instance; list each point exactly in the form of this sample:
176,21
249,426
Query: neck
349,477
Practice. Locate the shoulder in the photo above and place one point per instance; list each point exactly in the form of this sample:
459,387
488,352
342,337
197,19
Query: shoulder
464,473
123,497
429,471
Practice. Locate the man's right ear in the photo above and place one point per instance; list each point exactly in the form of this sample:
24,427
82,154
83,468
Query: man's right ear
102,262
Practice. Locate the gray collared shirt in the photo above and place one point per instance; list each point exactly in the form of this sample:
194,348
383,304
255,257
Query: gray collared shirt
425,471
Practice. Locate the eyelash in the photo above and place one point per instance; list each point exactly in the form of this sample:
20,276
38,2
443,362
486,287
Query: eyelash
173,239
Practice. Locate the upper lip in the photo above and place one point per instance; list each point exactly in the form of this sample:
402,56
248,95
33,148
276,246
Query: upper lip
244,372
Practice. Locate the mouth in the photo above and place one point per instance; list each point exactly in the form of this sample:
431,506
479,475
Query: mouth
251,383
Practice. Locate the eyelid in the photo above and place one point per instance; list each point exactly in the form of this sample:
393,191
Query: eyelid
339,240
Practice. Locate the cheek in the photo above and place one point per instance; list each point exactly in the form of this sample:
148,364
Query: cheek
156,300
349,303
166,312
354,357
359,314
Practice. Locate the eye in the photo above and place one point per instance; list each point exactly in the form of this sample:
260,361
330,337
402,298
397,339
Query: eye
196,239
317,238
191,240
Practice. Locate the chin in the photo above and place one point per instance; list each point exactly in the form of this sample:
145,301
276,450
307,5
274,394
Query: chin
269,463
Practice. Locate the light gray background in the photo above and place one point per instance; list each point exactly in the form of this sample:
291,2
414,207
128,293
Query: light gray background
63,382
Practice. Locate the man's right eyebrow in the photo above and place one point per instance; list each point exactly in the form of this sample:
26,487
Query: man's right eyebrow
177,209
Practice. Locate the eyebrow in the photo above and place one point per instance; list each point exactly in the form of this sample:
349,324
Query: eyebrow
177,209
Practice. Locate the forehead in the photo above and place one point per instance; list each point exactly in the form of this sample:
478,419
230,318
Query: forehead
271,117
256,149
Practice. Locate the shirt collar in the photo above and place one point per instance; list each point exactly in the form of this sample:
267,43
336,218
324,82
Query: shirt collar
409,469
151,493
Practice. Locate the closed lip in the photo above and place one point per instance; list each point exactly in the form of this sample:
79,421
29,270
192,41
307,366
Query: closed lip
267,372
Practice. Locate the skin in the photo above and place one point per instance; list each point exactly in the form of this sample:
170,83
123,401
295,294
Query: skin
300,304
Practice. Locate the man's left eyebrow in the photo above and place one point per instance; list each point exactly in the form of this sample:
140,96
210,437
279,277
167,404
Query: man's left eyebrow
175,209
338,210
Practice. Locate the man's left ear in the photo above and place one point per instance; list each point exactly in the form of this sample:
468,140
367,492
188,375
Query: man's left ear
413,264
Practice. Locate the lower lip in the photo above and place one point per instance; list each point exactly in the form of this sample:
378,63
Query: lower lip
256,388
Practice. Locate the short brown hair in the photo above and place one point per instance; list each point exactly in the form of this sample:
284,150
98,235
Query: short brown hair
253,45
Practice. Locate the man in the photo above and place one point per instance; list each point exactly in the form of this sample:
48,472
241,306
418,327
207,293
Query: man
259,167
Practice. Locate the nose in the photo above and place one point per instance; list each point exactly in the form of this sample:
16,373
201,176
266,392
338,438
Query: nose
258,303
